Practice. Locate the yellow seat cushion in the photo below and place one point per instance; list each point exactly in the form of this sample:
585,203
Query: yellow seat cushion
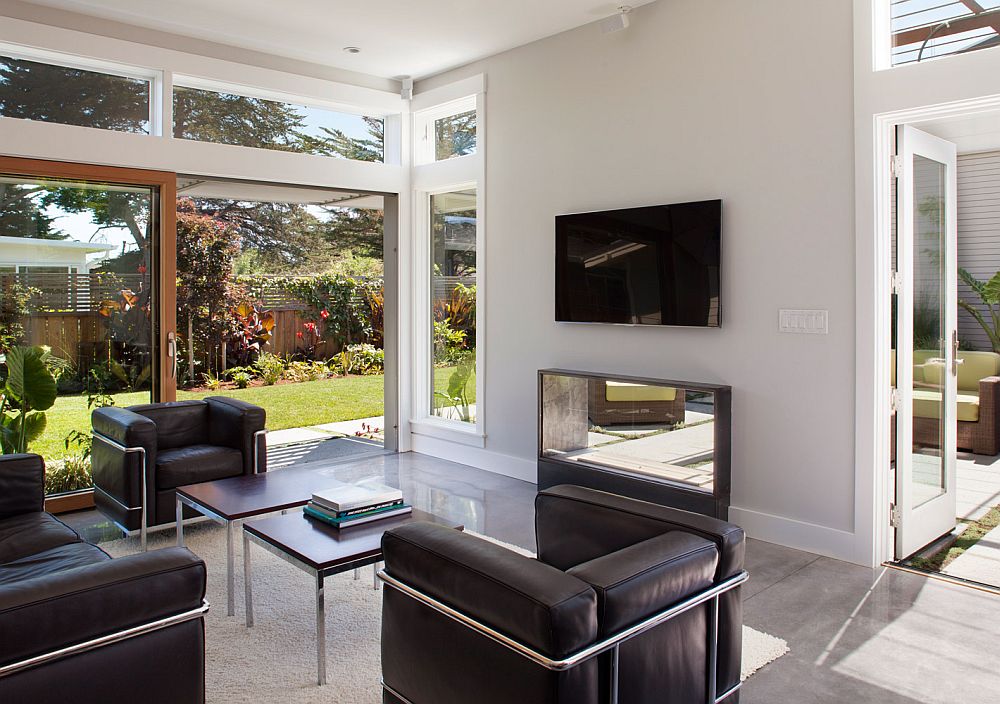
927,404
974,366
624,391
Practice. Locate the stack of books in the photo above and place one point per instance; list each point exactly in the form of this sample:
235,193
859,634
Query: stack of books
355,504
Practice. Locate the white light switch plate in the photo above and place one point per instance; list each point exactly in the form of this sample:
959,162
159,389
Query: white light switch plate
810,322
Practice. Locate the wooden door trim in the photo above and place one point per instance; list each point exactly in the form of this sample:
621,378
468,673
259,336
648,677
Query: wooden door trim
166,184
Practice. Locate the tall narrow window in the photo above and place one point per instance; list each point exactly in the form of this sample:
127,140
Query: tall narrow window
31,90
453,220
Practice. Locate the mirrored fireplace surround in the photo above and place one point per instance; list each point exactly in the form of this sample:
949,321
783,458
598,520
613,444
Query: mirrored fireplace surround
660,440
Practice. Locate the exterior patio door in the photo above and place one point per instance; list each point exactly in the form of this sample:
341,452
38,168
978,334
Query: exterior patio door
926,339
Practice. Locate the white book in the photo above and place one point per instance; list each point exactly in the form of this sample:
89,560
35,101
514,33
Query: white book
347,497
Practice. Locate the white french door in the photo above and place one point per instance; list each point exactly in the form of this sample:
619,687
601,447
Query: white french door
926,339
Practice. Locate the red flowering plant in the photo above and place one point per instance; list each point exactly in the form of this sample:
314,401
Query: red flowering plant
311,342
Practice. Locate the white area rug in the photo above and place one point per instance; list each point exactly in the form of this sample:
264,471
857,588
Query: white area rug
275,661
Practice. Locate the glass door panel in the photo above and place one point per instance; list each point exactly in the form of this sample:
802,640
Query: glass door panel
926,340
77,263
931,413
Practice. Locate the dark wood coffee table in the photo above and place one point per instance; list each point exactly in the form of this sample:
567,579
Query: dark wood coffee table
321,551
232,501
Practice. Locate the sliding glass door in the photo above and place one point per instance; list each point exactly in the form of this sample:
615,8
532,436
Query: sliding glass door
82,268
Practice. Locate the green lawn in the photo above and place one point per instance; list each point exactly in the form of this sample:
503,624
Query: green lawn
287,405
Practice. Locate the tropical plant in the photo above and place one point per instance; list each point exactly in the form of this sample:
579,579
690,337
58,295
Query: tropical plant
241,377
250,330
363,359
449,343
130,326
27,390
457,394
459,308
212,382
989,295
270,367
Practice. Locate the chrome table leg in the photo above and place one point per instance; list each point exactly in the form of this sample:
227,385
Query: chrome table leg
247,583
320,633
230,568
180,524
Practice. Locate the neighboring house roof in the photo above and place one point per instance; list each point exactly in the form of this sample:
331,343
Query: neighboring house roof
86,247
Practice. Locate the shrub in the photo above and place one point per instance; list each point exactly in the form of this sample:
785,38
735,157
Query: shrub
69,474
241,376
362,359
212,382
449,343
270,367
300,370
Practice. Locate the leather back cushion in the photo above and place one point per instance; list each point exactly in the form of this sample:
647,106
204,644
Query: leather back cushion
178,424
530,601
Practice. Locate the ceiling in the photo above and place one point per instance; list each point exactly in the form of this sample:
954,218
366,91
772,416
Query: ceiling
976,132
197,187
397,38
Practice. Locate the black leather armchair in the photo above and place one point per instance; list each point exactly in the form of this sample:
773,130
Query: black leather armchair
627,602
78,626
141,454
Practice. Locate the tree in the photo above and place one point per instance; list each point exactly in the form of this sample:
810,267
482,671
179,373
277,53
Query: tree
21,214
226,118
455,135
36,91
334,142
206,250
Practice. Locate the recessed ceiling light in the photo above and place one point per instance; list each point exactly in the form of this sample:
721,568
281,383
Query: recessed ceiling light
352,49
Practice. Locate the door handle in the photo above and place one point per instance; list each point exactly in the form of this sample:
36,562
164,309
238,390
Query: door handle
172,353
955,361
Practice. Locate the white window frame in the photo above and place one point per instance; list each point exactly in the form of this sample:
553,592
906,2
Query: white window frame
389,149
432,178
424,134
111,68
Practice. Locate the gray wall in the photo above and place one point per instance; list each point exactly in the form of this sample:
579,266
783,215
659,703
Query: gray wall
695,100
978,234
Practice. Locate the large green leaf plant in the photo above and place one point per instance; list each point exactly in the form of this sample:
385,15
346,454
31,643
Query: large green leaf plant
27,390
989,294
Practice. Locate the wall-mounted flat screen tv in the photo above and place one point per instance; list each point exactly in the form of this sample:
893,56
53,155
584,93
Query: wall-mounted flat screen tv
655,265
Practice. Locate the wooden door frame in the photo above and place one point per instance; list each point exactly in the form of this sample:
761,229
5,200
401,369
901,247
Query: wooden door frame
166,280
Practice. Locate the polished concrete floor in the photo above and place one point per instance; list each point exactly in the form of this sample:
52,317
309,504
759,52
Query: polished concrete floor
855,634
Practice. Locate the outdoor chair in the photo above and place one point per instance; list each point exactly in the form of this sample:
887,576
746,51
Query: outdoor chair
141,454
628,602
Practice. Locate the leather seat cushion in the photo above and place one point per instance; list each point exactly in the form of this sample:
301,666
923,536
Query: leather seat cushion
178,423
195,464
30,533
637,581
57,559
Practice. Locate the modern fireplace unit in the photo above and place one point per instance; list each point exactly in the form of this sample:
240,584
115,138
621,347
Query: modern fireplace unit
659,440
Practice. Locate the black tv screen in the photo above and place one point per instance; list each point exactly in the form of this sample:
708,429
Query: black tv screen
655,265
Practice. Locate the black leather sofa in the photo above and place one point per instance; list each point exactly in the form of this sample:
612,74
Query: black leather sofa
466,620
78,626
141,454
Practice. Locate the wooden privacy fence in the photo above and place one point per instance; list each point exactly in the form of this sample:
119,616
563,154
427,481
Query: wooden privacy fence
76,337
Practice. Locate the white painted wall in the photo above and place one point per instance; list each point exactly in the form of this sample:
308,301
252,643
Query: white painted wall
898,95
695,100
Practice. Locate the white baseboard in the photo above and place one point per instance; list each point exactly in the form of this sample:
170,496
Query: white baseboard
516,467
821,540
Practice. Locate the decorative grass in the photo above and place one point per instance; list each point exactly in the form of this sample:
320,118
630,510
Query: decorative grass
969,537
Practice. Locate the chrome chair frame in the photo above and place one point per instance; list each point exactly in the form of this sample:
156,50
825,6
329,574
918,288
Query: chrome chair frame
142,506
611,643
143,469
108,639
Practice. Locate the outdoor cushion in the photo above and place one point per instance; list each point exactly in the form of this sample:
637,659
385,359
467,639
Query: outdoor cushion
50,561
976,366
29,533
927,404
196,464
624,391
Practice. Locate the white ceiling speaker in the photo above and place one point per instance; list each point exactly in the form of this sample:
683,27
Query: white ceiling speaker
618,22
